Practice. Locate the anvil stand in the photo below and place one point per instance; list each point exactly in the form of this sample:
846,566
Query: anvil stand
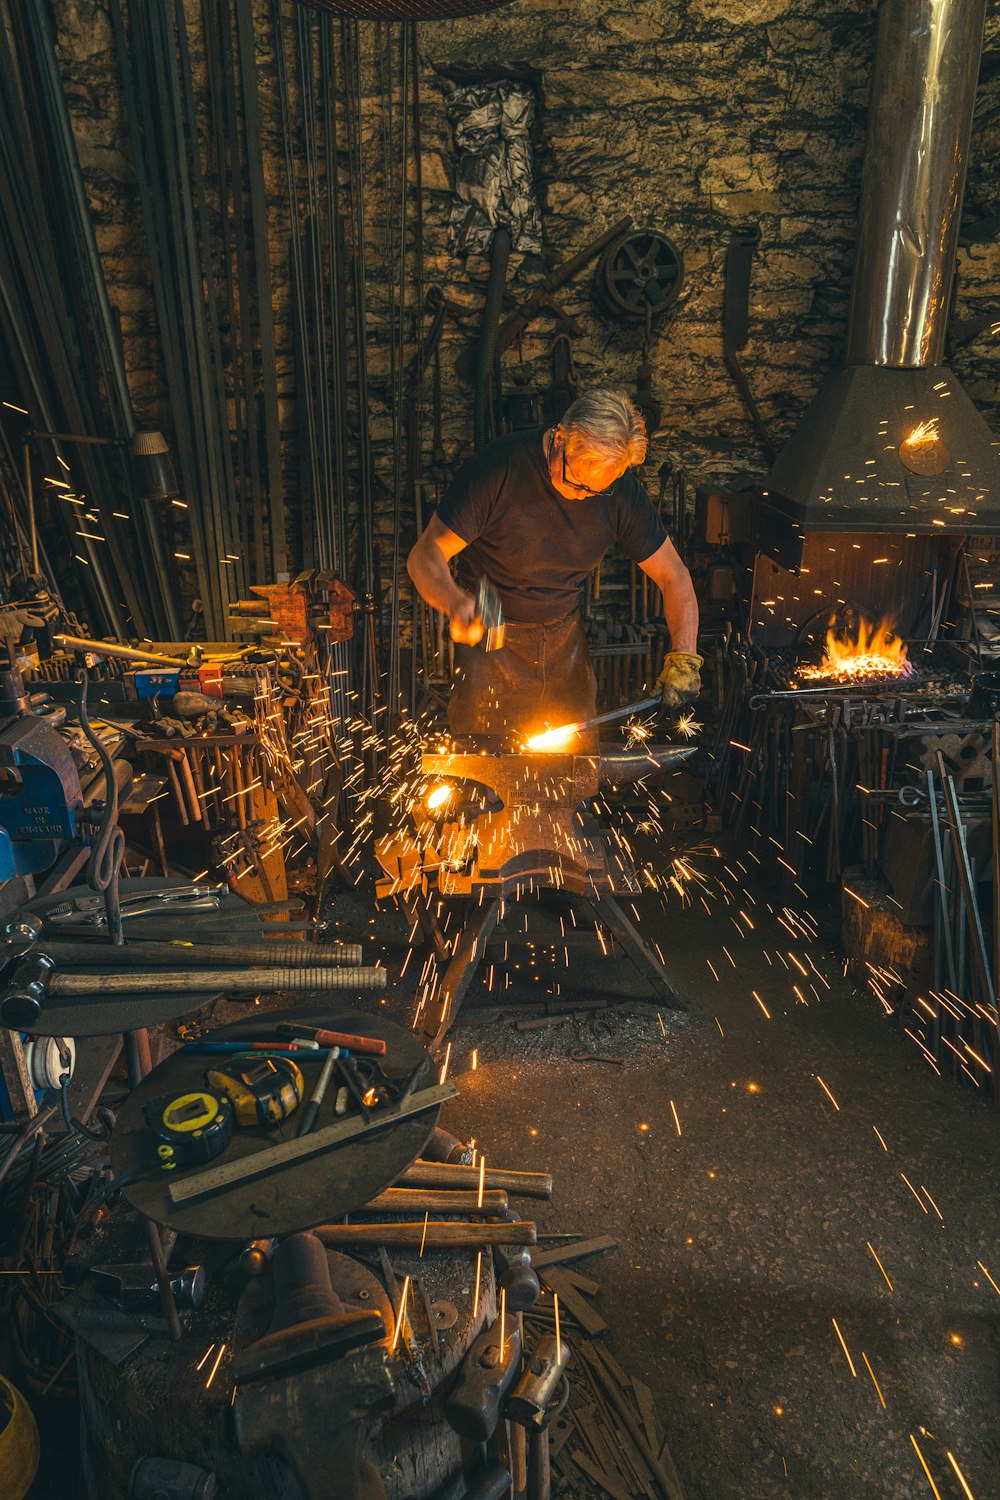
531,831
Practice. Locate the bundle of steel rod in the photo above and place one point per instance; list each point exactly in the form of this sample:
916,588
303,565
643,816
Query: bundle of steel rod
60,348
957,1022
155,62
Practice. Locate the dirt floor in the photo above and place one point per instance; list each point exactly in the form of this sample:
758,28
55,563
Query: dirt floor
806,1215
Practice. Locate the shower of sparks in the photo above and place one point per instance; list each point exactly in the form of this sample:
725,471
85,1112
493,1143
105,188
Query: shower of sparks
555,1309
687,726
439,795
924,434
677,1122
423,1237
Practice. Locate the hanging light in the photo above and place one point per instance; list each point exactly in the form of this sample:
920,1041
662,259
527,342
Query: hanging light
153,476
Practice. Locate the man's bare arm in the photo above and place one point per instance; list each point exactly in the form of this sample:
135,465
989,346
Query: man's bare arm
427,566
680,606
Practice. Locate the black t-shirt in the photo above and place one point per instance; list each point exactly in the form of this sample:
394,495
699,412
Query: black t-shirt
534,546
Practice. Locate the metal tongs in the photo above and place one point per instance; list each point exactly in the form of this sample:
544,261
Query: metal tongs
88,910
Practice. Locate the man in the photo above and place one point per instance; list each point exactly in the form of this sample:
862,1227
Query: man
535,512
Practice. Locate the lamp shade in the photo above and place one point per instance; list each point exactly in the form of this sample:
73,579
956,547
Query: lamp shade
153,476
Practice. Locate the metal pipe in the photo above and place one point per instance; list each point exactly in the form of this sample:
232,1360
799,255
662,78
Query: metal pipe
919,122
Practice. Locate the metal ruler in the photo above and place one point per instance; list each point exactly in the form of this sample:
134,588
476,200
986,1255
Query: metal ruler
235,1173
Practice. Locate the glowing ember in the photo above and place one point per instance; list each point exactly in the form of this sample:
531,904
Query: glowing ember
875,651
439,795
553,739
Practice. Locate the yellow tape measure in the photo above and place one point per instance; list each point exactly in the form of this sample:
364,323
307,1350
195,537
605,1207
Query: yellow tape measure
190,1129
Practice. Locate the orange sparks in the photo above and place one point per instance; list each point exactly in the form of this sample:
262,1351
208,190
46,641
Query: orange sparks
482,1180
879,1264
555,1308
961,1477
677,1122
479,1276
847,1352
923,1465
400,1316
874,1381
827,1092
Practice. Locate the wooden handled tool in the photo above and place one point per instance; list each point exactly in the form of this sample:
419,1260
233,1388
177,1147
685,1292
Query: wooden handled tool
433,1236
179,981
420,1201
181,953
439,1174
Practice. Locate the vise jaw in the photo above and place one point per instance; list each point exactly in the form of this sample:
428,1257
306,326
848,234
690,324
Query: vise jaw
40,794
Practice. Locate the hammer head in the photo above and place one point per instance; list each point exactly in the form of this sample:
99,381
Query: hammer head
490,611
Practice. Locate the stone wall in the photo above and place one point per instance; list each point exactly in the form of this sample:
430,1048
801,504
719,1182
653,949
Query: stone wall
693,116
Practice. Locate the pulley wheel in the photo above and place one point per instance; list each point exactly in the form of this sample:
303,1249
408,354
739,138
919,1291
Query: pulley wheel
404,10
640,275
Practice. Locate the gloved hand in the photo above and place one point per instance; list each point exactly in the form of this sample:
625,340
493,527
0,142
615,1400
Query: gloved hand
680,680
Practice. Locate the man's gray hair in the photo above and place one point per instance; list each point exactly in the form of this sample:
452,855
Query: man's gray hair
608,424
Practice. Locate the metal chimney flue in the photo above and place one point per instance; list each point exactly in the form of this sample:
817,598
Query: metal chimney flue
923,91
892,441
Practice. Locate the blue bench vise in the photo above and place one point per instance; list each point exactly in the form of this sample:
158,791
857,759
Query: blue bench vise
40,795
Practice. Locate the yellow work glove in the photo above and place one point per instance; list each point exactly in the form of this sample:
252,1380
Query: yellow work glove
680,679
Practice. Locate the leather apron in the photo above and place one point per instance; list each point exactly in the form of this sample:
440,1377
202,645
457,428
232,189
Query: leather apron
541,677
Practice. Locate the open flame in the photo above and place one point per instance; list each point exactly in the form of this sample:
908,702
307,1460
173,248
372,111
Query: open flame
553,739
875,651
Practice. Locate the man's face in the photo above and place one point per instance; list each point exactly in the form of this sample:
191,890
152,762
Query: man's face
578,473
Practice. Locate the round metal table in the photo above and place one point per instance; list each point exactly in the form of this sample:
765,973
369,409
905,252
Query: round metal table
301,1195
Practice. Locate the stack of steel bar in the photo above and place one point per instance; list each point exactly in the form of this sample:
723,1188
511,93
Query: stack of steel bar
59,343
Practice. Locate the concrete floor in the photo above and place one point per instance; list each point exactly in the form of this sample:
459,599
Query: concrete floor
806,1142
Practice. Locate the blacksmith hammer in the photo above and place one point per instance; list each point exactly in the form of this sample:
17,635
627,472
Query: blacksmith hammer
490,611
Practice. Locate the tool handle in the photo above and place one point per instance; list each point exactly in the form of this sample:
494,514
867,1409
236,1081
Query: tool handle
367,1044
436,1174
225,981
434,1236
424,1200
